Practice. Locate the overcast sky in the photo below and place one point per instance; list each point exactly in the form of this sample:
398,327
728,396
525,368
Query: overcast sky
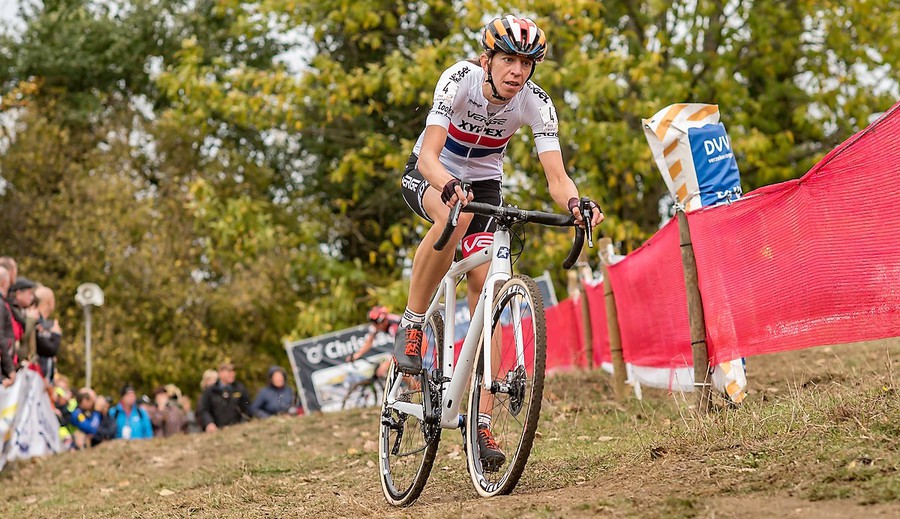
8,12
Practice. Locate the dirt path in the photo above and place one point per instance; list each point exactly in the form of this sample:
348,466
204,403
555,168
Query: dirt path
818,437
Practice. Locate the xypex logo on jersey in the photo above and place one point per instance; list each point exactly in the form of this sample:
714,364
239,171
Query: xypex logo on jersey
476,242
694,155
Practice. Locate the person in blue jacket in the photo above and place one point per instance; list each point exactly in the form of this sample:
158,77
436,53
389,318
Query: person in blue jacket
276,398
83,417
132,422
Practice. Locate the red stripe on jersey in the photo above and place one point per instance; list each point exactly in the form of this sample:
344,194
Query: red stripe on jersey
472,138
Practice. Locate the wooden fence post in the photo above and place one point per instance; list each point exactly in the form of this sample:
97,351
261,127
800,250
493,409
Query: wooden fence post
612,323
702,379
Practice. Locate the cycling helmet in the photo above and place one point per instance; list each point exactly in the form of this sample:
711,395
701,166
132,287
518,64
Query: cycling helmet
378,314
519,36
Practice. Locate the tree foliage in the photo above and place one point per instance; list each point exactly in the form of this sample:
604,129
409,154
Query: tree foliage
226,194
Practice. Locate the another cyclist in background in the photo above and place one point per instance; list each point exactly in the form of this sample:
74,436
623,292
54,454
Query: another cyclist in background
380,321
478,107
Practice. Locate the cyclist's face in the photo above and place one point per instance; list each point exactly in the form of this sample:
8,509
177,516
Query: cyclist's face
509,72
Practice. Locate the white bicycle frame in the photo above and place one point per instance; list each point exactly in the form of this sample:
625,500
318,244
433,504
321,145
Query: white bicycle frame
455,378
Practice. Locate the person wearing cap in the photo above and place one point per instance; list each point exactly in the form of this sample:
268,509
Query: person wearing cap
25,313
224,403
132,422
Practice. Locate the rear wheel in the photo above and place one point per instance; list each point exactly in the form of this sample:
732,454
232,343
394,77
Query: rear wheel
365,393
513,402
407,446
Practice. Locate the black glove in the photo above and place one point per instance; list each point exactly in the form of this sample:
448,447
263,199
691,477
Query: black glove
574,202
449,190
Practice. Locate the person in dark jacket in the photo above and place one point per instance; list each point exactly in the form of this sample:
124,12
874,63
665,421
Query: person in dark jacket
107,429
224,403
48,333
21,302
7,333
275,398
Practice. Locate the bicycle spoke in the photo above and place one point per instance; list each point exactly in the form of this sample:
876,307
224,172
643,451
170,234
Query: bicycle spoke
407,445
513,404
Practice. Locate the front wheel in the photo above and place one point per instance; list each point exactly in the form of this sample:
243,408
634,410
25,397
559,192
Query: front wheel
406,445
512,405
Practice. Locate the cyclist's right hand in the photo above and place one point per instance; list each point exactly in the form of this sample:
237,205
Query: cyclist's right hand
453,192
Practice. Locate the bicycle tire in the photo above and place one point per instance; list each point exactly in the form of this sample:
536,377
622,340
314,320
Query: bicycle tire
360,394
514,401
402,481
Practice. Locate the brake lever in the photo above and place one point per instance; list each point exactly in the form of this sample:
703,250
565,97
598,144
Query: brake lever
453,219
587,216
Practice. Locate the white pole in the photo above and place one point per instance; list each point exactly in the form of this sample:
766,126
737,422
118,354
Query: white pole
87,345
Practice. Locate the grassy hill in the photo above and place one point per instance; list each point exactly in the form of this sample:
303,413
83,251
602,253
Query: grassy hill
819,436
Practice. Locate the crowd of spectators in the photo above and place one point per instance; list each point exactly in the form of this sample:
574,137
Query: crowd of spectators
30,339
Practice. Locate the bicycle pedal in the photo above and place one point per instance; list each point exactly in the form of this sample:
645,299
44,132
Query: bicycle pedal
491,465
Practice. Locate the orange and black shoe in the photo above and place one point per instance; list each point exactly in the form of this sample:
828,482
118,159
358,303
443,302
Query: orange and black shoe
408,350
492,458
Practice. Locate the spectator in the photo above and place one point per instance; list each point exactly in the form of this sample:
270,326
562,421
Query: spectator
107,429
132,422
11,266
275,398
224,403
48,333
192,425
21,301
84,418
210,377
167,417
7,333
64,406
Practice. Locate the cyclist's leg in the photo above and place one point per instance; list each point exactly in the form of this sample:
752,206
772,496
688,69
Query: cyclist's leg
477,237
382,369
429,265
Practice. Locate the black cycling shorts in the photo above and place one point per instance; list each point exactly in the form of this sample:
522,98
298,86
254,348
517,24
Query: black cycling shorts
413,186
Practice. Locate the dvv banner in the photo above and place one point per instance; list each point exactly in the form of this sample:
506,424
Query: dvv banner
693,152
694,155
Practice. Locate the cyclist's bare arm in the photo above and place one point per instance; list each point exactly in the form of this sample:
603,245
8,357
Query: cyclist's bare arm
561,186
430,164
367,345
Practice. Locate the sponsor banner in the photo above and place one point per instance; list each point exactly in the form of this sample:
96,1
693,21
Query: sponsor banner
693,153
27,420
323,377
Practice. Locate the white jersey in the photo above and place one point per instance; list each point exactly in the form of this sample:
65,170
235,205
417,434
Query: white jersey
476,141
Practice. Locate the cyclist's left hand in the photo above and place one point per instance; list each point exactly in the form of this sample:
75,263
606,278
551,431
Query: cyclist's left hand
596,215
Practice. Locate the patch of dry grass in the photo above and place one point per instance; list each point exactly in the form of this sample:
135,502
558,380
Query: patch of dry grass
810,432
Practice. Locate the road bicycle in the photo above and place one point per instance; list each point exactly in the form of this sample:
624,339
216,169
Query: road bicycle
366,392
507,383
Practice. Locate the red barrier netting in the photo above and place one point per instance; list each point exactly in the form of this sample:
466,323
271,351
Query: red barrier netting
652,303
565,342
806,263
599,330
